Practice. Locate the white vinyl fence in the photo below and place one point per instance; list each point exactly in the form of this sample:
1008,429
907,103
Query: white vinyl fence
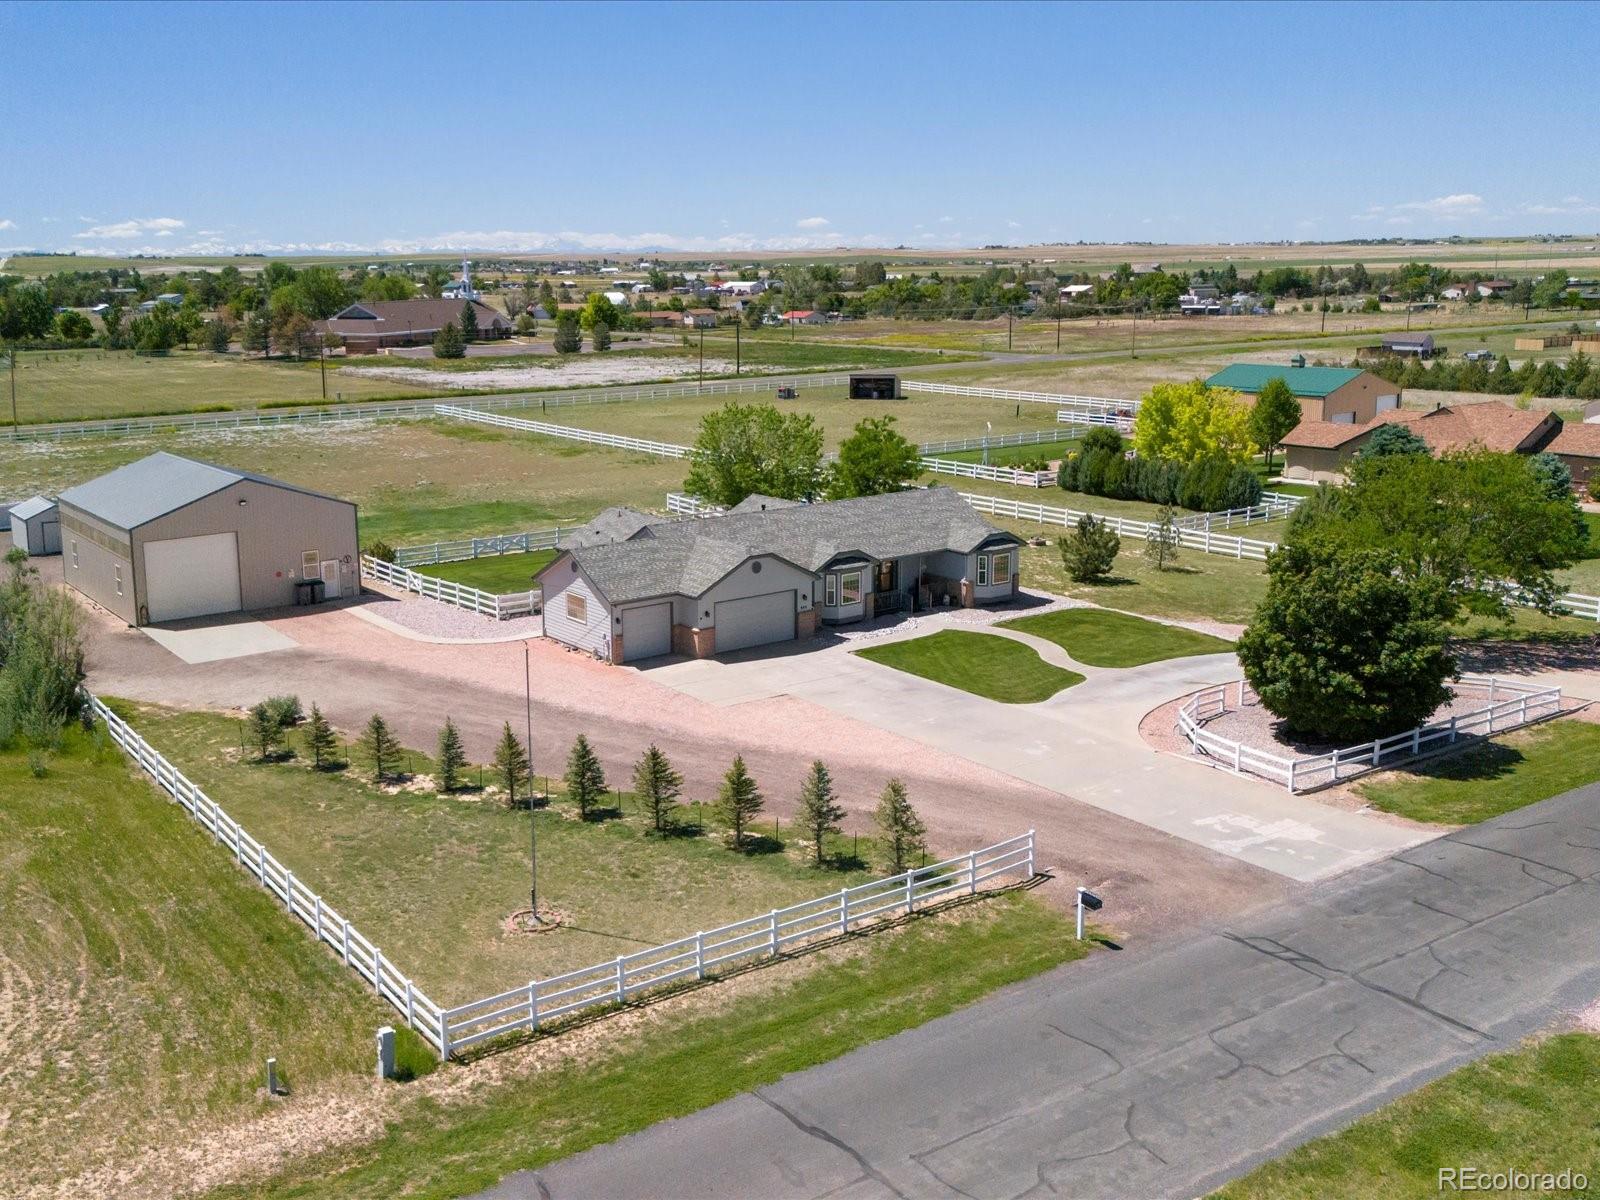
458,551
1117,421
1087,403
1509,704
516,604
1031,437
1195,539
1268,510
766,936
594,437
1012,475
357,951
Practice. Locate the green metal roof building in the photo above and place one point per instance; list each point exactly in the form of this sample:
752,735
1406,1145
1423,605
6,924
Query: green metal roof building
1302,381
1341,394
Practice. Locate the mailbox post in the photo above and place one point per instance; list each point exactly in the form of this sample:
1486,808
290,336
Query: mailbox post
1086,900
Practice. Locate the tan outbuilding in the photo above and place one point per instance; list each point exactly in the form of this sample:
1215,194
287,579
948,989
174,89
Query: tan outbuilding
166,538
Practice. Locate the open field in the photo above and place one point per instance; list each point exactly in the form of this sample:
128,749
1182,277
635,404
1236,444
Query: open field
415,481
1202,587
1112,639
770,1024
981,663
1493,777
1530,1110
432,879
144,978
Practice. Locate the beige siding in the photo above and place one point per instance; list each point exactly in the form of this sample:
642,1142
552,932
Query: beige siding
100,551
1359,396
275,527
1314,464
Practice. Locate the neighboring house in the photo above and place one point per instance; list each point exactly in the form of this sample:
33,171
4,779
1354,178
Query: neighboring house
1459,291
165,538
170,299
373,325
1343,394
629,586
700,318
1419,345
1318,451
1577,443
663,317
1493,287
804,316
743,287
36,526
1077,291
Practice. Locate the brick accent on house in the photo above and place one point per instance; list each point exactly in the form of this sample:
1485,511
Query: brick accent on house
805,623
969,595
694,643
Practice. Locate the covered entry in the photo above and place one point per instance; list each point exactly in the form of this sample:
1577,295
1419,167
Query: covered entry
646,631
755,621
192,576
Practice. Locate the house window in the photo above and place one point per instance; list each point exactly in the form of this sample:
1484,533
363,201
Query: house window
308,564
74,554
830,593
983,570
577,608
119,579
850,589
1001,572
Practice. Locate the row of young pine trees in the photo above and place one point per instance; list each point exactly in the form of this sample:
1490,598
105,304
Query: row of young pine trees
900,833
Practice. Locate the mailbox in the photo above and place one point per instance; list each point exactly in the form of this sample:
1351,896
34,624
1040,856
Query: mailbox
1089,899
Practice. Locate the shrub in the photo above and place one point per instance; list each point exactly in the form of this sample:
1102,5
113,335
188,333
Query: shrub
1089,552
285,710
381,551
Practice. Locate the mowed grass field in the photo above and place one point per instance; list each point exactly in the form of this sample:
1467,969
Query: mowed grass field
431,879
995,668
145,979
497,573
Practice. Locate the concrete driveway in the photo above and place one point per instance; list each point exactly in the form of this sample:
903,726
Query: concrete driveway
1082,743
1166,1074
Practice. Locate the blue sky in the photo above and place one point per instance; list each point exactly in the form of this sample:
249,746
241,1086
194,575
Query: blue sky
292,127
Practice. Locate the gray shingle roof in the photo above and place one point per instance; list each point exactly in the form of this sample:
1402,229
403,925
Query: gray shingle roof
157,484
616,524
32,507
686,557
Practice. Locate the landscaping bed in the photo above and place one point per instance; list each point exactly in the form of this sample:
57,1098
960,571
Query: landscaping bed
985,665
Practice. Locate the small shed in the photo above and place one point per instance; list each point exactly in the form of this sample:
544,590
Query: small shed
36,526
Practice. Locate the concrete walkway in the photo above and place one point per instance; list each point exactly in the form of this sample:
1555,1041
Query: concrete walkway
1082,743
1167,1073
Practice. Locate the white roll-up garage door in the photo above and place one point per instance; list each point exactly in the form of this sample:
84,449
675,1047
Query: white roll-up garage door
646,632
192,576
755,621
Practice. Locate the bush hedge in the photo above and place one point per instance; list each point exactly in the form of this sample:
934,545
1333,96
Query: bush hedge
1101,469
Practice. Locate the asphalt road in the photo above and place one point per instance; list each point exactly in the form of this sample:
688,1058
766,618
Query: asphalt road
1165,1073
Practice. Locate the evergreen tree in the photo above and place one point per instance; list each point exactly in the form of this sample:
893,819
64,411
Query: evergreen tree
321,743
1161,547
901,833
266,731
820,810
739,800
586,782
600,336
657,784
1089,552
448,342
511,765
217,337
469,322
568,338
379,747
452,758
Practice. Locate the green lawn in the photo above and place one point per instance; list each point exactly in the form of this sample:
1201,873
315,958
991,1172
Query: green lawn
1532,1109
497,573
146,977
430,878
688,1061
1493,777
980,663
1112,639
1007,456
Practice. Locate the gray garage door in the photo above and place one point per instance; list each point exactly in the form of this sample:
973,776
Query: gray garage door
646,632
755,621
192,576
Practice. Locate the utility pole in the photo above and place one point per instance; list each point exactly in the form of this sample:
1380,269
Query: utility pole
738,353
1008,329
322,362
1133,333
533,825
1058,324
16,430
702,381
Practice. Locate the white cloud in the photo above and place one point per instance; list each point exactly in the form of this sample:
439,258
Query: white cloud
1457,204
131,228
8,223
1565,207
1013,224
811,223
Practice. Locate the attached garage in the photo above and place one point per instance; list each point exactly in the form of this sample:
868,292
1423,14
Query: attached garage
192,576
755,621
167,538
646,631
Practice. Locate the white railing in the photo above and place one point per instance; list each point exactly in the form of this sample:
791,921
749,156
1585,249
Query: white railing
515,604
1267,510
1031,437
594,437
358,952
681,504
767,936
1288,498
1524,704
1195,539
1012,475
1088,403
458,551
1117,421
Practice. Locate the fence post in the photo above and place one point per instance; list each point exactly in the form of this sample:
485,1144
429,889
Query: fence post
318,908
911,895
700,954
533,1004
621,990
444,1035
772,935
1292,764
261,862
844,910
1236,749
972,872
411,1015
344,940
377,970
1030,873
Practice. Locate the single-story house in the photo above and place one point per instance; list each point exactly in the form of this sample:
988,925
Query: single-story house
1418,344
36,526
1577,443
743,287
373,325
661,317
804,316
167,537
1343,394
1459,291
630,586
1494,287
1317,451
700,318
1077,291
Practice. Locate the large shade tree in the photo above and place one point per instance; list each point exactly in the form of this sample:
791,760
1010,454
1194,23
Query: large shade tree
749,449
1191,423
875,459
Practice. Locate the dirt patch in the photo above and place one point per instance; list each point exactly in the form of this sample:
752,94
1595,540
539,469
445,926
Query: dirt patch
586,372
550,919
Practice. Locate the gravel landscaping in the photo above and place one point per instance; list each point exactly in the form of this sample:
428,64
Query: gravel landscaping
432,619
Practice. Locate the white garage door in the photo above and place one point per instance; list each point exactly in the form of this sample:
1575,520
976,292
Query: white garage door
192,576
755,621
1385,403
646,632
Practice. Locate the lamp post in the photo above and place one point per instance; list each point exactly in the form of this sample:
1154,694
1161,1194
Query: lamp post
533,824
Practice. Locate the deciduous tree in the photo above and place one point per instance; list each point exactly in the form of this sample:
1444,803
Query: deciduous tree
1161,546
1275,413
1192,422
875,459
744,449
